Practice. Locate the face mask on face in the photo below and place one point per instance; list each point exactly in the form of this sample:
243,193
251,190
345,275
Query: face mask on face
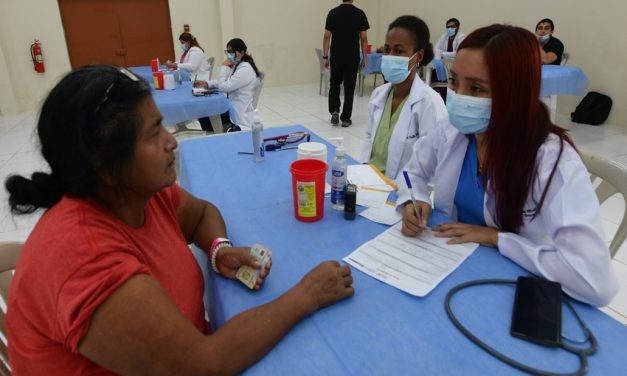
184,47
450,31
470,115
396,69
231,56
543,38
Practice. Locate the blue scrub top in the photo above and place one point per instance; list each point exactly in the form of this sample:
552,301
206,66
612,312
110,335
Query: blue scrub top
470,193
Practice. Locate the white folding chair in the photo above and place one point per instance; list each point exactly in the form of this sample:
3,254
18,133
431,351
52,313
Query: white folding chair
325,73
613,177
262,77
9,254
565,57
210,61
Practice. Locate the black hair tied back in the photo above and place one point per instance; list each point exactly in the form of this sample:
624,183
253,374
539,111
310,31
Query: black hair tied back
42,190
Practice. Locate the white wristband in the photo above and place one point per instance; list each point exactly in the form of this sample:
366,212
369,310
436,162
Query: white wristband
214,255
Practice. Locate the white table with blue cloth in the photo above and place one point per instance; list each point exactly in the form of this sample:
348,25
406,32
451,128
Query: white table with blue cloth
561,80
380,330
180,105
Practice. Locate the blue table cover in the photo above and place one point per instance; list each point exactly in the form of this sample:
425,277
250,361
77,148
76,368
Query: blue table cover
374,64
563,80
181,105
380,330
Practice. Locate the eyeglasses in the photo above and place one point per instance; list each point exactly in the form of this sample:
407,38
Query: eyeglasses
122,72
278,142
226,52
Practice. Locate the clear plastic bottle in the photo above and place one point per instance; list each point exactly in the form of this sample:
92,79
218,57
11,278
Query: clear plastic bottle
338,176
258,148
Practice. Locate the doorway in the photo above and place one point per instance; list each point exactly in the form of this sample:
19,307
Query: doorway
120,32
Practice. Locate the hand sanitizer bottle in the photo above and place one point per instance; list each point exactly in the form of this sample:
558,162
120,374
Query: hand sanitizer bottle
338,176
258,148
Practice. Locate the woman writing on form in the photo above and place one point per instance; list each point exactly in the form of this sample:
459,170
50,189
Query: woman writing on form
193,59
508,176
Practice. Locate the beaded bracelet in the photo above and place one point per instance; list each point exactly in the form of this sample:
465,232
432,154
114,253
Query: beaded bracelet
214,253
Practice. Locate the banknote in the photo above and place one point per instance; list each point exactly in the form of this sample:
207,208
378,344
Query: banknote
247,274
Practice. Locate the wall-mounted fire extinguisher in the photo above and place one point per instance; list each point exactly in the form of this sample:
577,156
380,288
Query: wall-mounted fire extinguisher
37,56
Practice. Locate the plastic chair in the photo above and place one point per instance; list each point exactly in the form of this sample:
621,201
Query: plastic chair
613,177
262,77
210,61
325,73
9,254
565,56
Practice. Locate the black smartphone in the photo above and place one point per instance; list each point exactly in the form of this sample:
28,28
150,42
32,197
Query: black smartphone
537,315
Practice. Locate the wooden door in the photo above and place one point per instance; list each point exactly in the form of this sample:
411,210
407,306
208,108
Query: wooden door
119,32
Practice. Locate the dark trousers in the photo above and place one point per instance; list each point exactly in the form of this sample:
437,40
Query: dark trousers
346,73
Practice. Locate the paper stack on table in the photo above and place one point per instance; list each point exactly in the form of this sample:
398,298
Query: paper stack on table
373,189
415,265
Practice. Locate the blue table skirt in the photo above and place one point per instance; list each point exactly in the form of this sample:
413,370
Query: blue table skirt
374,64
380,330
563,80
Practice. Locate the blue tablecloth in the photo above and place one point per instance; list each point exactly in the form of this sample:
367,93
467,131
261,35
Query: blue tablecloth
440,70
563,79
145,72
380,330
374,64
180,105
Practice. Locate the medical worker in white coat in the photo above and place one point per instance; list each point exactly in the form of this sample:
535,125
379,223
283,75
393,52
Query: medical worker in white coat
449,41
404,109
193,59
239,78
508,176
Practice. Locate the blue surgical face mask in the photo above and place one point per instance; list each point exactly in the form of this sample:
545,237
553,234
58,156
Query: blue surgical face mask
231,56
395,69
470,115
450,31
543,38
184,47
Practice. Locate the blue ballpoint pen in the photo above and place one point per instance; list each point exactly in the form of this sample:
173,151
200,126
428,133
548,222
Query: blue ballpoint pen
413,199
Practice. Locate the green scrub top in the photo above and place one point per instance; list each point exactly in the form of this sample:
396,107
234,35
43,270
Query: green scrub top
379,155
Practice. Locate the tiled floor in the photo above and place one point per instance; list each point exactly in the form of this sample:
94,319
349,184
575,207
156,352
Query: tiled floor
301,104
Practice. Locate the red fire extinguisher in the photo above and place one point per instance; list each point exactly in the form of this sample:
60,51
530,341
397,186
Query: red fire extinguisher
37,56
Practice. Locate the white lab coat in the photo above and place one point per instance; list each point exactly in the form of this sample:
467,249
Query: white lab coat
421,111
564,243
196,63
442,44
240,87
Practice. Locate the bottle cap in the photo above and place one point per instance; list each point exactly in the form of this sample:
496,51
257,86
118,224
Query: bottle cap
339,150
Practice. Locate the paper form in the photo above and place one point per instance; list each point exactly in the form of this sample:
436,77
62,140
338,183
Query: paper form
365,176
367,197
384,214
415,265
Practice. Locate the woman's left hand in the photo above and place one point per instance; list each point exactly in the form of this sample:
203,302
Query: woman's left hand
465,233
228,63
230,259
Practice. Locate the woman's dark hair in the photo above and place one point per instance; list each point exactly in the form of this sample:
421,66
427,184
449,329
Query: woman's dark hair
87,126
238,45
550,22
189,38
519,122
420,32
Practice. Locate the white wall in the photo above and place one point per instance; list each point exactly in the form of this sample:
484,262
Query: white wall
282,35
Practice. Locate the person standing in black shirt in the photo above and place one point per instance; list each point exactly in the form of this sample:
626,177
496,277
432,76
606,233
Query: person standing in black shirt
552,48
345,28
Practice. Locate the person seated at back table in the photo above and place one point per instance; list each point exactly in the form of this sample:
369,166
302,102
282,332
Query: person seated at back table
238,77
404,109
506,175
106,283
552,48
195,62
449,41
